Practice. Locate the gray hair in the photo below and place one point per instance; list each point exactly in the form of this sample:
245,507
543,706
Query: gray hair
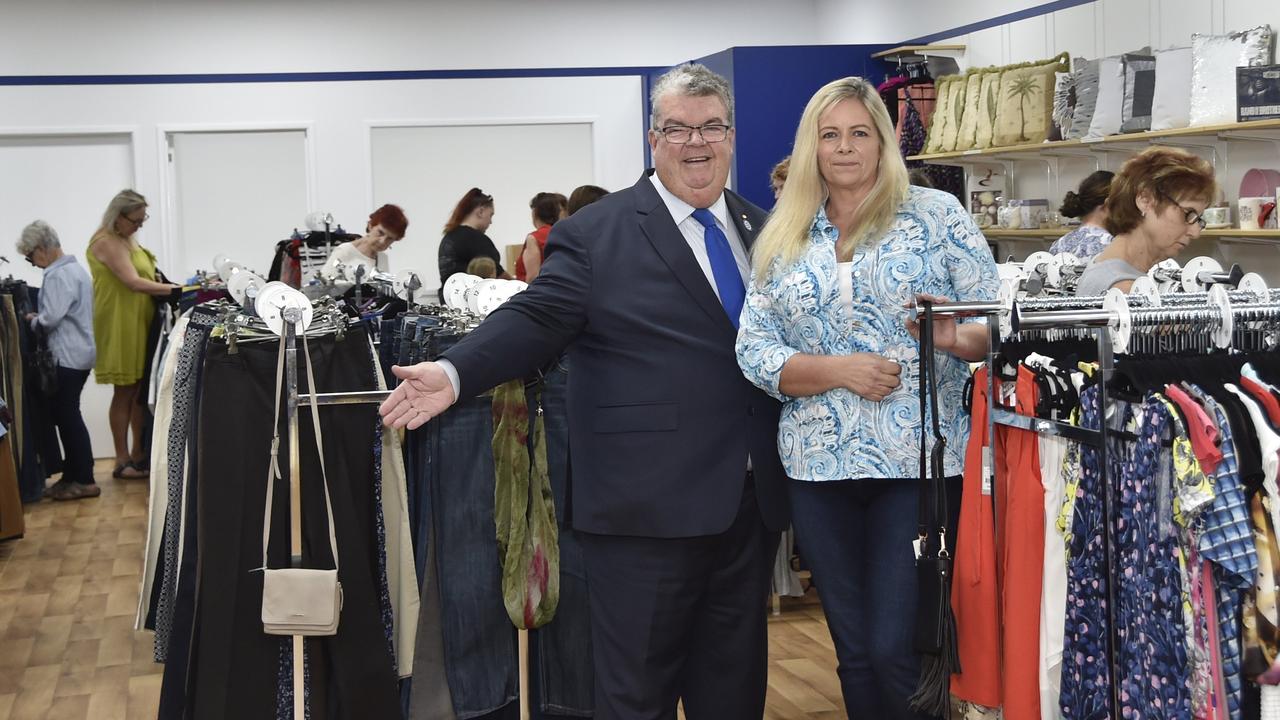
693,80
37,235
125,201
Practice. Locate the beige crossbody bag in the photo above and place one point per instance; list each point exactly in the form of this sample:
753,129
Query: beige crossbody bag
298,601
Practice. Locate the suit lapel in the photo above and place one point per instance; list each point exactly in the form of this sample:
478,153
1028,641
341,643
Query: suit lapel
747,227
658,226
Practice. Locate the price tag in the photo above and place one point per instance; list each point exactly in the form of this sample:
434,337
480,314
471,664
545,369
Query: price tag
988,476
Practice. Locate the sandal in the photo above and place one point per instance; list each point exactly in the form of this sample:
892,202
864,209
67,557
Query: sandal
77,491
120,473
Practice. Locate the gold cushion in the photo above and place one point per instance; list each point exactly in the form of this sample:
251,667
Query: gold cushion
1024,112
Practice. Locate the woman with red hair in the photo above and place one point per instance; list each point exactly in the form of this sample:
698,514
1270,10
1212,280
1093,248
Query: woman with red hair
387,225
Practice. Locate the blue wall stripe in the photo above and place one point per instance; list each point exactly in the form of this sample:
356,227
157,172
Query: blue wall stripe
1031,12
351,76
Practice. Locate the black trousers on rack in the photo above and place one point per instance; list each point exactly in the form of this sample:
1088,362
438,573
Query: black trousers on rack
236,669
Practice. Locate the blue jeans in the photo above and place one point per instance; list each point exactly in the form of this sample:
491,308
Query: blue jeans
856,538
479,640
562,680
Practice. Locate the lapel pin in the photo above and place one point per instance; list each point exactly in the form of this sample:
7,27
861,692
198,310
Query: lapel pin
746,223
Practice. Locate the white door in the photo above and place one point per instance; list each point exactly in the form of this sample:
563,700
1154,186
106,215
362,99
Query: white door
234,193
427,169
67,181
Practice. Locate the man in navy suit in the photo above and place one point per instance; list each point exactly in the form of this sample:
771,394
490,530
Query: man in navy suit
676,490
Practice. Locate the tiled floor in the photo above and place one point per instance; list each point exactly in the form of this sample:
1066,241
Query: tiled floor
69,589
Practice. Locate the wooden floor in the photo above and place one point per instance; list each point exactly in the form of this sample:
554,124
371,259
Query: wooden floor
69,589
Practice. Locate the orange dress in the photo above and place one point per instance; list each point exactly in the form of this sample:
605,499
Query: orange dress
999,570
974,590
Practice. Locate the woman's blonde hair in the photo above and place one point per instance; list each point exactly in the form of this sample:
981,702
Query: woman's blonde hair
786,235
125,202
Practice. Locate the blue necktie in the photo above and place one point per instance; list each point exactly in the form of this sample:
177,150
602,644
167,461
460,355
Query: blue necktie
724,268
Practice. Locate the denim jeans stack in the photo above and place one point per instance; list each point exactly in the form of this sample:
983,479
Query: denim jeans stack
450,468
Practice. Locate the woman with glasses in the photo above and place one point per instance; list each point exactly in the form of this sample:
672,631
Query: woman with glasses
124,288
464,239
1154,211
66,320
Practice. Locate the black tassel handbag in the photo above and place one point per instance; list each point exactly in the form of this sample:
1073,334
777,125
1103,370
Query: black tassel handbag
935,630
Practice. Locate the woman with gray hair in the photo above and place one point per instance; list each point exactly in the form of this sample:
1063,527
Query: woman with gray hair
825,330
124,285
66,318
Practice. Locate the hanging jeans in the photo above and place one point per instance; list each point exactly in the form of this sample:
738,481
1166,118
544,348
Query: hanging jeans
479,640
561,678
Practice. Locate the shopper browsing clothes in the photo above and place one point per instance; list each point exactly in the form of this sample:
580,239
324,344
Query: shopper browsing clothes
677,492
1154,210
849,245
1089,203
387,226
66,320
124,285
547,209
584,195
464,238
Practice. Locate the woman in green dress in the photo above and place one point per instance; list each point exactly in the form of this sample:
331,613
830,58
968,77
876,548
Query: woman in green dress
124,285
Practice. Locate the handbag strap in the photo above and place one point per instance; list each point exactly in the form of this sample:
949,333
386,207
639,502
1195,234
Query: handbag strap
933,489
273,471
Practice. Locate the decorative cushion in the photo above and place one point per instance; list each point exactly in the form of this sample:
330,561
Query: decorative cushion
967,137
1213,73
1106,112
934,120
1025,111
1085,79
944,126
1063,97
1171,106
1139,91
989,96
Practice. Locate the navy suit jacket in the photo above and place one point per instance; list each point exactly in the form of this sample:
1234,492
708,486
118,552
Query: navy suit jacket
661,419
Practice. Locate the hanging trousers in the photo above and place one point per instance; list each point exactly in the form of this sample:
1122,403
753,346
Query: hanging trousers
351,674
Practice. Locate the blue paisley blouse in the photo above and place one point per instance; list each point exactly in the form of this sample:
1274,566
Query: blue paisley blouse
1084,242
932,247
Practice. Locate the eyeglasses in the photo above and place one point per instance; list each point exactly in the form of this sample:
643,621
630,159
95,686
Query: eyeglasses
1191,215
138,223
28,257
681,134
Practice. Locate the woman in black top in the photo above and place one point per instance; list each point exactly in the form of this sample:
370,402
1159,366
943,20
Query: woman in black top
464,237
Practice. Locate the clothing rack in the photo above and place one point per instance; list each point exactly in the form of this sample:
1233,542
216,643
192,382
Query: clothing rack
1011,418
1219,315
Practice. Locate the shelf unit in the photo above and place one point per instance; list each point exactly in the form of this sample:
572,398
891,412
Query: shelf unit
1255,131
918,50
1054,233
1251,248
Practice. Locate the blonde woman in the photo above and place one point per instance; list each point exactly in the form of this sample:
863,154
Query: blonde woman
848,246
124,285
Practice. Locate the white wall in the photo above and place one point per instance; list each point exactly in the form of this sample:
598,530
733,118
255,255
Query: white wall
254,182
1111,27
339,117
65,180
887,21
510,162
201,36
